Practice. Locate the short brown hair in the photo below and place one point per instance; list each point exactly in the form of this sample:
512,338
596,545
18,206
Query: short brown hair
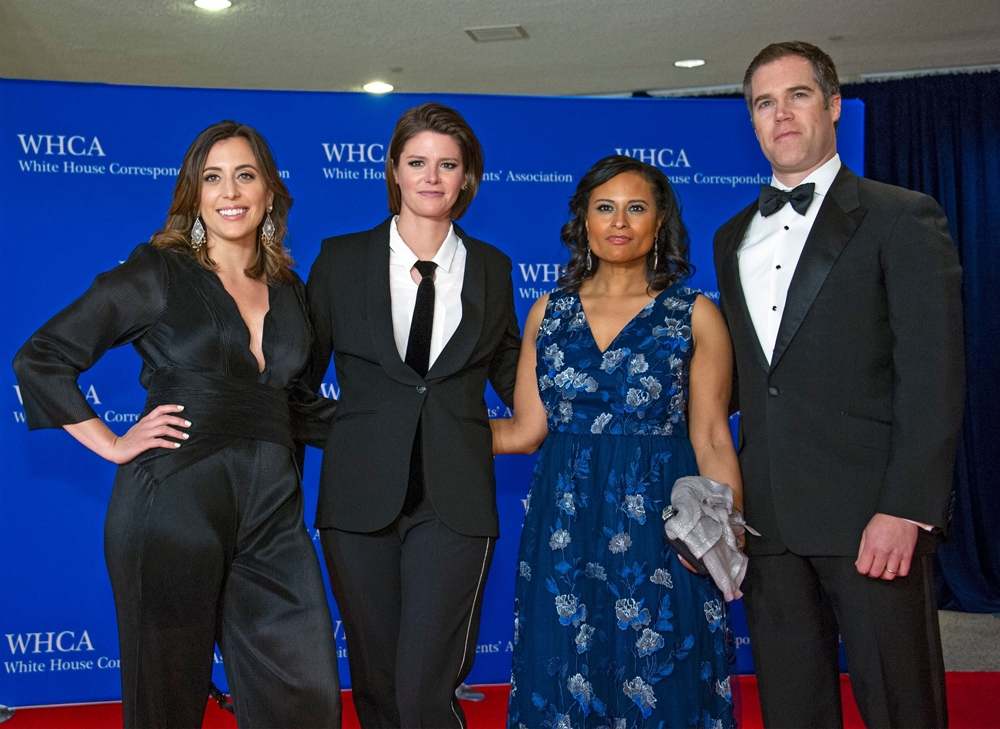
434,117
274,262
824,71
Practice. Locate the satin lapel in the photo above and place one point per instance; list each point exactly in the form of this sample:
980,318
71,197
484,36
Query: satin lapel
732,282
838,218
459,348
380,308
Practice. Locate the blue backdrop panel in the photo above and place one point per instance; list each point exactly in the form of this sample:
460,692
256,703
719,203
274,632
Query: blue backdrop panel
87,172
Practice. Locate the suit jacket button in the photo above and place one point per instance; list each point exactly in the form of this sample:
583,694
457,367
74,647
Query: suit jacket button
772,391
421,389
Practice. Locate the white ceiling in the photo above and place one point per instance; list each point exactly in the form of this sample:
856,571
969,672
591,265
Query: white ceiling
574,46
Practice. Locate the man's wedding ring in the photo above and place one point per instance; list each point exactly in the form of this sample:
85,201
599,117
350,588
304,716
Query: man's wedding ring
891,572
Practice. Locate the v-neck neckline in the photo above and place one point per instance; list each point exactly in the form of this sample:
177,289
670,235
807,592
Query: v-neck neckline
239,315
628,325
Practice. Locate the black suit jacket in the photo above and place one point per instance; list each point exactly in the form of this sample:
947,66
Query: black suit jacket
859,411
366,461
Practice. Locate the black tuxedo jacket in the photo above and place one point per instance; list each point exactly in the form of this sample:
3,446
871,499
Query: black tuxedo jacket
859,411
365,469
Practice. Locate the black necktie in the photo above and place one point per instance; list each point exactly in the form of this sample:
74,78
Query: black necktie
772,199
418,347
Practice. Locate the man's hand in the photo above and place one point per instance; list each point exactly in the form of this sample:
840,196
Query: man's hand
886,547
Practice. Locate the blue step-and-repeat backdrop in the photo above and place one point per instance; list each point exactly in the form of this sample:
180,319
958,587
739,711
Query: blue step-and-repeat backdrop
87,172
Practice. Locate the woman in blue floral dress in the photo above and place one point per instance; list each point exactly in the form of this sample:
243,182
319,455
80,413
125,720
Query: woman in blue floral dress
625,374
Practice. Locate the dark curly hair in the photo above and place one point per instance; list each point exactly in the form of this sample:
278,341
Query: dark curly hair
670,249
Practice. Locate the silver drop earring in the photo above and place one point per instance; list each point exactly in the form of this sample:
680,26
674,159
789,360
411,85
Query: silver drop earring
267,232
197,233
656,256
590,263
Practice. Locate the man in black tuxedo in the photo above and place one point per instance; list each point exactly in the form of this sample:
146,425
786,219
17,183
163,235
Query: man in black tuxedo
842,296
418,316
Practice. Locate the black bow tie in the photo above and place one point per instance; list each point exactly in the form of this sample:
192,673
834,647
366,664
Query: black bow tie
772,199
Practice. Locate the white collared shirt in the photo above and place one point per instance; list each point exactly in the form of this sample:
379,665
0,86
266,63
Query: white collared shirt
448,279
770,252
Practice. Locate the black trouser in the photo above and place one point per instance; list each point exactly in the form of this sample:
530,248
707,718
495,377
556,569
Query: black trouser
410,597
794,606
218,552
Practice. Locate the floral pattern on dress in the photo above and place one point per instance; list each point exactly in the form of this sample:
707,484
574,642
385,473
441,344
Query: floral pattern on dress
610,631
650,379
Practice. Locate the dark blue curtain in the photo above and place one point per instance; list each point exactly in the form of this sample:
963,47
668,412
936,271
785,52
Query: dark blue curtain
941,135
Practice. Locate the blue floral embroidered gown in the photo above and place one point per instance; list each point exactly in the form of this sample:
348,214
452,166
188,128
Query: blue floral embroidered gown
610,629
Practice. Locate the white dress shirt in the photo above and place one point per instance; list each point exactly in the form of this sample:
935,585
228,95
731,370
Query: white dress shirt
770,252
448,278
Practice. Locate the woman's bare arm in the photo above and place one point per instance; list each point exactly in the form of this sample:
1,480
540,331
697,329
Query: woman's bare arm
527,428
710,386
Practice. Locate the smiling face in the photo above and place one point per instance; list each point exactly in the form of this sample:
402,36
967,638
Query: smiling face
234,198
430,175
793,123
622,220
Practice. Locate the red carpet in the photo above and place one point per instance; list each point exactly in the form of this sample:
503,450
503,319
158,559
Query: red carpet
973,703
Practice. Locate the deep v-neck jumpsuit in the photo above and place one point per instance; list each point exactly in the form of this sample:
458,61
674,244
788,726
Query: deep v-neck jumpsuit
204,543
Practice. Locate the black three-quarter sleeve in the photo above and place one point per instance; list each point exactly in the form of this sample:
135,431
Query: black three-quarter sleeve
118,308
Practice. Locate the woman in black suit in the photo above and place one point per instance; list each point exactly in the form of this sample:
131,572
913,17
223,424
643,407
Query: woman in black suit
419,316
204,537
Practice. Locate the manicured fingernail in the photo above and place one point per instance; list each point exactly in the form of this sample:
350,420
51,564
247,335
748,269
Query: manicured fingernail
187,423
180,407
186,435
177,445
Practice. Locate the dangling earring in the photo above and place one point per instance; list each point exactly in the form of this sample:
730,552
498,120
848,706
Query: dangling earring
590,263
197,233
656,256
267,232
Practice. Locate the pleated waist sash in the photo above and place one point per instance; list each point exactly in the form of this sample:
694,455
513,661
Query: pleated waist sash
220,405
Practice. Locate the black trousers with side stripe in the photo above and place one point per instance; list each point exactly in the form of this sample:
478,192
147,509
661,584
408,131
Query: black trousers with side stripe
796,605
410,597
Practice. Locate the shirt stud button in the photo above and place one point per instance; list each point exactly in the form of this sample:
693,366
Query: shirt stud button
421,389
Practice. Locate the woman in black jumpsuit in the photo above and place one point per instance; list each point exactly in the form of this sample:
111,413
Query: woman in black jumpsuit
204,537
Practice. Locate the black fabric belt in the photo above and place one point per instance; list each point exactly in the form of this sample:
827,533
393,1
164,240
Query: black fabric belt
220,405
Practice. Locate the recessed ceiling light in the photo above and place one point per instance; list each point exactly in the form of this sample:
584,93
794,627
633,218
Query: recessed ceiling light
213,4
377,87
488,33
690,63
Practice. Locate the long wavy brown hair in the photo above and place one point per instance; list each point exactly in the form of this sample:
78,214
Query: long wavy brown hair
273,262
